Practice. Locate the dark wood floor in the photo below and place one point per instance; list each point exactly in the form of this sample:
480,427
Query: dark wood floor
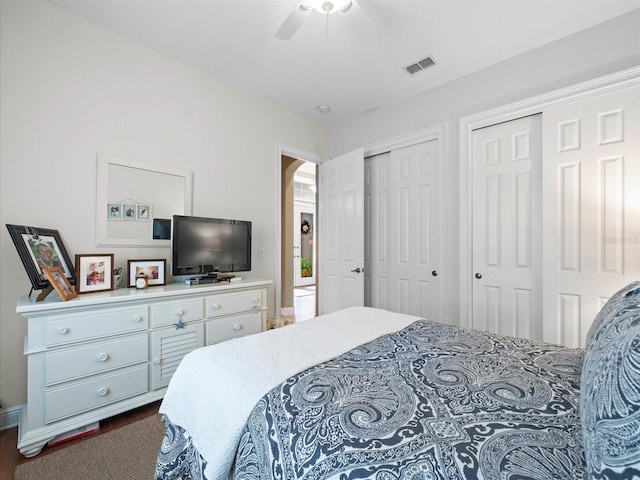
10,457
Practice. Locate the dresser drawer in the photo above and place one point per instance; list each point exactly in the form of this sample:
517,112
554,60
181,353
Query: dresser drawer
233,303
237,326
96,358
169,313
67,329
82,396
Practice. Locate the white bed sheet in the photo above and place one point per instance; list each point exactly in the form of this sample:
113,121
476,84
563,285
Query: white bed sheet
215,388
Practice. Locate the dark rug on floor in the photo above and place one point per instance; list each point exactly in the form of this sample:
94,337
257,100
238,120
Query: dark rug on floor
128,452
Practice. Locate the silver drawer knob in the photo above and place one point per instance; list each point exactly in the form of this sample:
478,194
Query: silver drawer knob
103,391
180,312
216,306
137,318
63,330
157,361
103,357
256,300
237,327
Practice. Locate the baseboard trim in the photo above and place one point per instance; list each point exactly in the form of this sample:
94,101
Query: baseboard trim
287,311
10,417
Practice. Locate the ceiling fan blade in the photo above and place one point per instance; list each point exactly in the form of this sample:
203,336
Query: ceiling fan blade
293,22
358,20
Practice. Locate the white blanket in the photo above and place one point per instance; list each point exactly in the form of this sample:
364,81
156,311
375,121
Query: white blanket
215,388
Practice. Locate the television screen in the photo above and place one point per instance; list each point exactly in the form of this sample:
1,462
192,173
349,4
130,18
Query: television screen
203,245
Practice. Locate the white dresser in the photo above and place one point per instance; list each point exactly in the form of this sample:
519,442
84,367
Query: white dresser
105,353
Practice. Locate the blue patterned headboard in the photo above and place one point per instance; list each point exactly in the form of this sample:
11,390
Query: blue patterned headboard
610,389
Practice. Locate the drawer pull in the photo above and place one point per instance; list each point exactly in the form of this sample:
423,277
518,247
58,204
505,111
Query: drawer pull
180,312
216,306
103,357
63,330
103,391
157,361
137,318
255,308
256,300
237,327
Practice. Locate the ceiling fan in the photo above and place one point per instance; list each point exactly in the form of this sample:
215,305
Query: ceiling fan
326,7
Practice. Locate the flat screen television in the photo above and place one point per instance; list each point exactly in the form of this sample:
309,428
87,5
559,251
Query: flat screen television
203,246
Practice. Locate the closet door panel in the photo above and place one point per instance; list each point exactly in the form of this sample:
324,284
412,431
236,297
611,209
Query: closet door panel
507,286
591,210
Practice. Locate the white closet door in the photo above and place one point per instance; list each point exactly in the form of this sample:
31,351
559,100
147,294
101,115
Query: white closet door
507,297
591,210
378,232
342,232
404,222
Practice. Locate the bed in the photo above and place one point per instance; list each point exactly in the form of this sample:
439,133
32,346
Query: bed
367,393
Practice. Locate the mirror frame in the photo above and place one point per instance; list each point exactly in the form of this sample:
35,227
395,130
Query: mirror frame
104,161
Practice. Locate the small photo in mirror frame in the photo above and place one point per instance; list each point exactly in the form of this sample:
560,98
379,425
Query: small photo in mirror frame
114,211
129,212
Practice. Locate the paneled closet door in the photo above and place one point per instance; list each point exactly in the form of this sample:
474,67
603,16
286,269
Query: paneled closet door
507,297
591,210
403,226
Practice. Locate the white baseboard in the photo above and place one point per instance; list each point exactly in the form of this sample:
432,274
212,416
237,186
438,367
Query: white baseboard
287,311
10,417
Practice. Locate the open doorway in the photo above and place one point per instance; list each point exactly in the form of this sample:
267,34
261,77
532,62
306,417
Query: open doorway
299,252
304,241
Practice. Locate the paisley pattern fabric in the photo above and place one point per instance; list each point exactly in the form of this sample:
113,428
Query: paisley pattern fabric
432,401
178,459
610,400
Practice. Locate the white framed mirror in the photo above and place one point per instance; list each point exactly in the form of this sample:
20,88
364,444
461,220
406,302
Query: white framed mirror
136,200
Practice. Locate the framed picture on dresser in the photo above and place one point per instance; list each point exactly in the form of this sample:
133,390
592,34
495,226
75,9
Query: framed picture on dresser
41,248
60,284
94,273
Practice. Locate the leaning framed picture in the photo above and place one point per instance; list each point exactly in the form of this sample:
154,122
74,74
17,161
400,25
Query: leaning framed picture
155,270
41,248
59,282
94,273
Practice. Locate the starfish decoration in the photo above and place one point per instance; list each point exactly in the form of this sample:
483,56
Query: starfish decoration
179,324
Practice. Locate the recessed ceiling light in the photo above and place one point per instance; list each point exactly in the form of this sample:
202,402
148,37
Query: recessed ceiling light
323,108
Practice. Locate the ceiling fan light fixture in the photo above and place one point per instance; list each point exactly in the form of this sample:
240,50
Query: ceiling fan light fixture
328,7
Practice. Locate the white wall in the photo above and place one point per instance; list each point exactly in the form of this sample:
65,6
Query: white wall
598,51
71,89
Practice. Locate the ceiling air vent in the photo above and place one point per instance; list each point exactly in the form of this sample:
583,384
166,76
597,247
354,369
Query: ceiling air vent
419,65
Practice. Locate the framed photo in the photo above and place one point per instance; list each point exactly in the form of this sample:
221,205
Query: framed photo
129,212
59,282
41,248
144,212
114,211
94,273
155,270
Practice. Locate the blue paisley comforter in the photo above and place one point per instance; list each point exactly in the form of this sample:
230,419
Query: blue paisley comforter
431,401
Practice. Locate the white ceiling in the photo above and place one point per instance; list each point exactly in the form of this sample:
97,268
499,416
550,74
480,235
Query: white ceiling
234,39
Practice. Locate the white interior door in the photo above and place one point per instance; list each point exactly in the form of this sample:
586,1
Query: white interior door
507,229
591,210
304,244
341,232
403,225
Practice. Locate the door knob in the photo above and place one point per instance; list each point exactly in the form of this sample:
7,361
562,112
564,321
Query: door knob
357,270
478,276
434,273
